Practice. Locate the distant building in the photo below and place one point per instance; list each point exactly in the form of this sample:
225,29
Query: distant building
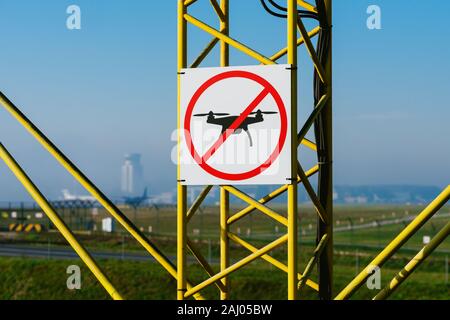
132,182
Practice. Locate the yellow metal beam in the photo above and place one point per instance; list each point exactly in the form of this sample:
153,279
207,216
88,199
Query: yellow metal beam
395,244
89,186
187,3
234,43
264,209
224,241
204,53
271,260
309,267
312,52
292,210
414,263
202,261
244,212
312,194
197,203
224,194
181,189
58,222
237,266
312,117
300,41
305,5
308,143
220,13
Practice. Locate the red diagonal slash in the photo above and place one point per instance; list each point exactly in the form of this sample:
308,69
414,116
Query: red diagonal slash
225,135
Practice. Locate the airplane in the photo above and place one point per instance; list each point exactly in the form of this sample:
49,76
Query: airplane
135,202
67,196
226,120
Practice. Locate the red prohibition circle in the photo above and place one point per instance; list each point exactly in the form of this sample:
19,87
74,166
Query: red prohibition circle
283,132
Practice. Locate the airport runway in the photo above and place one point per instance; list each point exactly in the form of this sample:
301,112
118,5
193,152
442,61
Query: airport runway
65,253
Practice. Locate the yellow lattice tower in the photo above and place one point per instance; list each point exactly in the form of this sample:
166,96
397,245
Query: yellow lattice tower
320,118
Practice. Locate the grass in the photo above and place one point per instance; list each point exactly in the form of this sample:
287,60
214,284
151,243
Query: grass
46,279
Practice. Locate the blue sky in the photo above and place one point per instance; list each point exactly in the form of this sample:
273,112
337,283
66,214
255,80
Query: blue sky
110,88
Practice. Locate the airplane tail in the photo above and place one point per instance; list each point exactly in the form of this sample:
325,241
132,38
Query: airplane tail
145,193
66,194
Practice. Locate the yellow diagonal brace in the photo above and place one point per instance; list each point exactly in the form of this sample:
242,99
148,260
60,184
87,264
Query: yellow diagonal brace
202,261
218,10
414,263
258,205
309,267
395,244
312,117
234,43
311,50
197,202
58,222
305,5
89,186
267,198
204,53
300,41
312,194
270,259
309,144
187,3
237,265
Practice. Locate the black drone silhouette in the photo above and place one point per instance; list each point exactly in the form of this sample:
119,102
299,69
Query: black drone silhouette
226,120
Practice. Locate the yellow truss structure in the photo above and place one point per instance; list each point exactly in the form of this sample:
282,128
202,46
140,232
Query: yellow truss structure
296,35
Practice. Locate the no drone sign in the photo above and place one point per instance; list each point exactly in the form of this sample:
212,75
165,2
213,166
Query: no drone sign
235,125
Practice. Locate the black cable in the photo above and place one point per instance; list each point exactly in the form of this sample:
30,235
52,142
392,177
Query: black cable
302,13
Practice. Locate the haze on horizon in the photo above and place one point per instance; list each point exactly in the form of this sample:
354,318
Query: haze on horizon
110,89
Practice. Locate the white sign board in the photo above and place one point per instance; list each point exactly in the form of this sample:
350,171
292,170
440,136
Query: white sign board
107,225
235,125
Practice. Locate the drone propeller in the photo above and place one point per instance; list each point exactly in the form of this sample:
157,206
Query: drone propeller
211,114
264,112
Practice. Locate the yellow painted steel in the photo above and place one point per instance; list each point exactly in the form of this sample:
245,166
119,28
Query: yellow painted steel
234,43
204,53
219,11
300,41
291,222
197,203
224,241
309,267
313,116
58,222
414,263
306,5
292,189
392,247
90,187
181,190
187,3
308,143
312,195
312,52
223,13
271,260
264,209
237,265
244,212
202,261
